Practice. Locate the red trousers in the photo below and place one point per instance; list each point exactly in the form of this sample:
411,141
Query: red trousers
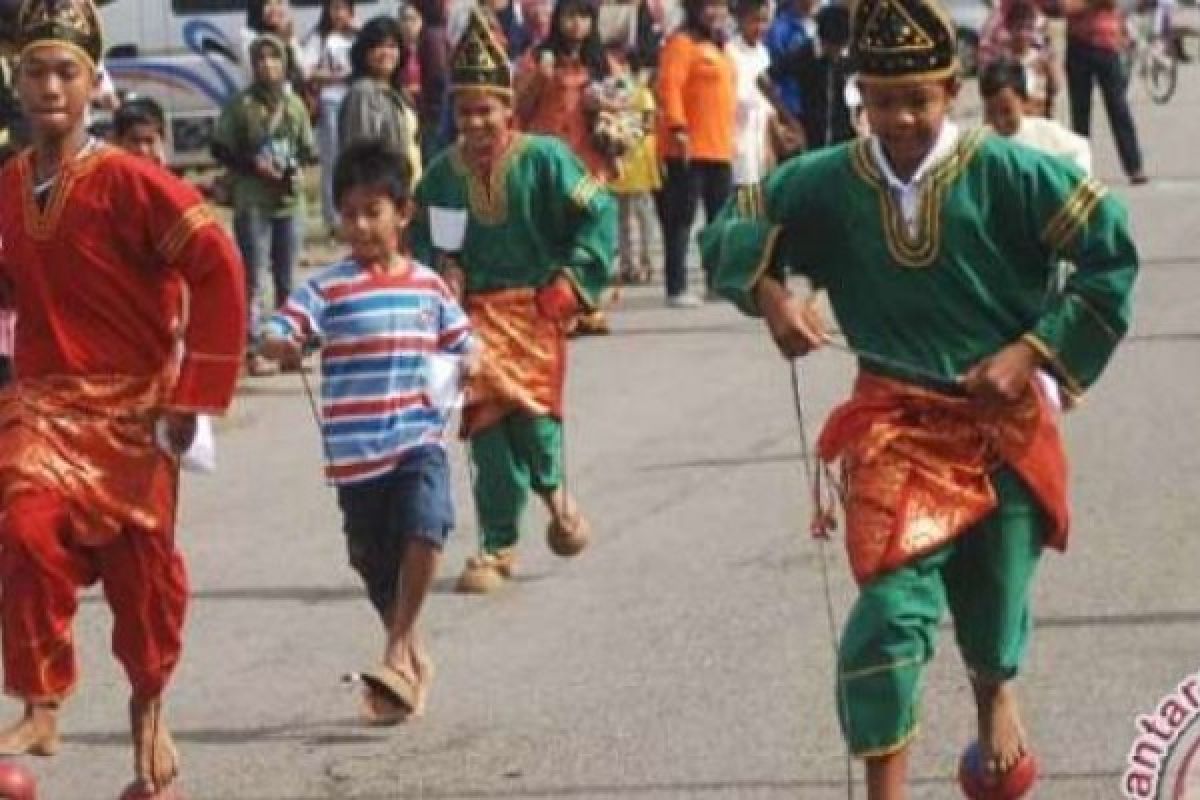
42,568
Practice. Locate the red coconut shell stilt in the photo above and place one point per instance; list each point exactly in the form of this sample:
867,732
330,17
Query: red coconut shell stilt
1011,785
16,782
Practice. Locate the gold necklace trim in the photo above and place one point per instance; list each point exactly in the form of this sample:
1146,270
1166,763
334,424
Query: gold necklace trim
488,195
918,248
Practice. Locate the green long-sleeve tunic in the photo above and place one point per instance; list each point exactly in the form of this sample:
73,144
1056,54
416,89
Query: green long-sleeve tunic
994,220
539,213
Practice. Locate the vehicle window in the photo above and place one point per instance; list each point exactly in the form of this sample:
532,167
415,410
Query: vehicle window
220,6
206,6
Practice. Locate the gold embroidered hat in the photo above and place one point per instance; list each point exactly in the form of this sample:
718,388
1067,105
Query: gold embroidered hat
479,60
71,23
899,40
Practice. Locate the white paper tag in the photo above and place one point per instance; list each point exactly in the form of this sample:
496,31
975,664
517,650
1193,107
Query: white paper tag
448,228
444,382
201,456
1050,387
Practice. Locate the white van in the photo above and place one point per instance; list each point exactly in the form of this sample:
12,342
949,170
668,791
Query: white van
189,56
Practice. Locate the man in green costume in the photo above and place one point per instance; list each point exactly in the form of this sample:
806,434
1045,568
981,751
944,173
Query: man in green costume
522,232
938,249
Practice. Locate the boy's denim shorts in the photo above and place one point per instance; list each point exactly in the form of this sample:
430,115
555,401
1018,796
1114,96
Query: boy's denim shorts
380,515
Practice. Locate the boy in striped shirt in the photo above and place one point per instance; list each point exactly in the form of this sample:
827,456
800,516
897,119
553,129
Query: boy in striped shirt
384,322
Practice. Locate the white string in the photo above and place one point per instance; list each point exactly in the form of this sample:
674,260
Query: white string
810,468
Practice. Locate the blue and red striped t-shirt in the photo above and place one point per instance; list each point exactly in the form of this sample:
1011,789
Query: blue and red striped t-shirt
379,334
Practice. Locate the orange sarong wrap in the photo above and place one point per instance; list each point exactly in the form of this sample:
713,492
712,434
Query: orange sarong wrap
916,465
524,362
91,441
87,496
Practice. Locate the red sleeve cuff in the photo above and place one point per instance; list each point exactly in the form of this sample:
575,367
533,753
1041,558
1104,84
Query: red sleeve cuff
206,383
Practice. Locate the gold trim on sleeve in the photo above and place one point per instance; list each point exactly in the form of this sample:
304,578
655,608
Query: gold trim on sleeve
172,245
768,255
1070,383
1073,215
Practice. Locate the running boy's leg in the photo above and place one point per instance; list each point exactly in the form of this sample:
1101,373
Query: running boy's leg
41,574
889,638
988,581
501,484
422,515
145,583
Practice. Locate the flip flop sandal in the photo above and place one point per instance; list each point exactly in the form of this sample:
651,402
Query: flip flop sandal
1012,784
391,685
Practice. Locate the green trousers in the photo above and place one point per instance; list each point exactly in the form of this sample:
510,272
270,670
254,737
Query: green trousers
518,453
983,577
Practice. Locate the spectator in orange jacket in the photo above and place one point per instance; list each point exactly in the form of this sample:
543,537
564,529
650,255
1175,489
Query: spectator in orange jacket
697,96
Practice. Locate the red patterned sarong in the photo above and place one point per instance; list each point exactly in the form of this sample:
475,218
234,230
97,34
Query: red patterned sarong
524,360
916,465
87,496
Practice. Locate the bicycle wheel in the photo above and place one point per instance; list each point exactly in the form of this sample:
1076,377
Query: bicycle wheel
1161,75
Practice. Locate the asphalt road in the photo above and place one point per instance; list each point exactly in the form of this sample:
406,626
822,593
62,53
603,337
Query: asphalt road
687,654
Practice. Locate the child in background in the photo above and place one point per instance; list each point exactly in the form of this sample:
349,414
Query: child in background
753,114
1006,109
1017,30
383,429
140,127
639,177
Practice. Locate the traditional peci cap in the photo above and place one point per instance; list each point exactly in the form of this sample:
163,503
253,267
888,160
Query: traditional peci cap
899,40
71,23
479,60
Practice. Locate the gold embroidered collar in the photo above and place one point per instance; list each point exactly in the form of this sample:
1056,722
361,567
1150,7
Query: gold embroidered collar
487,195
41,222
919,246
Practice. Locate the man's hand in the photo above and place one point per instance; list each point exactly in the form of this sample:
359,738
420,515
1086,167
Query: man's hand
456,281
472,362
278,349
683,144
557,299
180,430
1003,377
795,324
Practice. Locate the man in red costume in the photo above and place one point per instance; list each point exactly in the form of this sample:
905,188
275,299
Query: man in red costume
131,314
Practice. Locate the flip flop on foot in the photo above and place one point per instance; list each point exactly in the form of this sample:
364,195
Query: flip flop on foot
391,696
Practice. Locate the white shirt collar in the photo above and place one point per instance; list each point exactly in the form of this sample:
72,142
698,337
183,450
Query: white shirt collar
946,140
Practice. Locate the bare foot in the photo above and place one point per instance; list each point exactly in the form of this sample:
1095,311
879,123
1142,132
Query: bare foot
35,733
887,776
155,759
562,508
423,667
1002,740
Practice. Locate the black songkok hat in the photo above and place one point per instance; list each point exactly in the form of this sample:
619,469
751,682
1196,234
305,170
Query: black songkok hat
71,23
902,40
479,60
